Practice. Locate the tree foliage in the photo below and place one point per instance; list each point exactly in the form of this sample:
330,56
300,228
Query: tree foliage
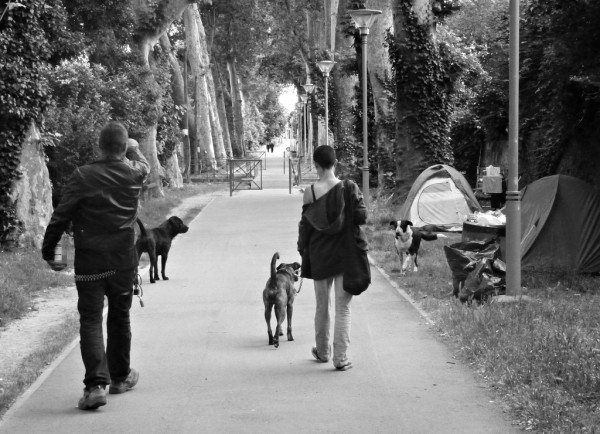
560,80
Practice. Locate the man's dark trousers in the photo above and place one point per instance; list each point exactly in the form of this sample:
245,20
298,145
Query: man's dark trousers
101,366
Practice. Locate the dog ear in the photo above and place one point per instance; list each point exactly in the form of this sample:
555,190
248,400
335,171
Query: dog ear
409,223
296,265
393,224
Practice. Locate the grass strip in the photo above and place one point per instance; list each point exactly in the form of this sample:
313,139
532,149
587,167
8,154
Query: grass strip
540,359
15,382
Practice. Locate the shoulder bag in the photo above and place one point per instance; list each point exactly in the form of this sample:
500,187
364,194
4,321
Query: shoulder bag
357,271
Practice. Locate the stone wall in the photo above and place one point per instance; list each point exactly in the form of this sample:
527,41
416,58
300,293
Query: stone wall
32,193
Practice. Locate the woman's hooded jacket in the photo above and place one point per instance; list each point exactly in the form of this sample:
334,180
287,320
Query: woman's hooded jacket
322,236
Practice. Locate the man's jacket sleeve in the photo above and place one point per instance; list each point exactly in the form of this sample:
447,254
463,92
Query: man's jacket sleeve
137,161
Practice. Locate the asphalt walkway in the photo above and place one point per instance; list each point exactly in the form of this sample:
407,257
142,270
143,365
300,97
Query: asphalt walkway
200,344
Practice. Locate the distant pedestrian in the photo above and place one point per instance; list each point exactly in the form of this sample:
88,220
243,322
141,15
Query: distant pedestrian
322,245
101,201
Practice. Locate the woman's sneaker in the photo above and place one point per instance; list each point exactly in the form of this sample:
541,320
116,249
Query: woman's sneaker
92,398
124,386
319,357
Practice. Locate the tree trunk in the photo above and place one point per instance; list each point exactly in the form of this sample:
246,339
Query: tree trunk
145,38
177,84
344,86
380,72
237,102
206,151
172,172
331,14
199,68
31,193
219,144
410,160
194,166
147,140
216,130
186,125
221,108
179,98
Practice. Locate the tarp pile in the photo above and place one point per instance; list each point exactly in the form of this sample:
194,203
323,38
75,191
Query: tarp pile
477,270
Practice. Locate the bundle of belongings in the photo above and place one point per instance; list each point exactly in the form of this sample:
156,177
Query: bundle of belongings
478,273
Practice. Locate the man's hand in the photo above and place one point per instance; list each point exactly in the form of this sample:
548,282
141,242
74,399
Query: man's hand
56,266
132,144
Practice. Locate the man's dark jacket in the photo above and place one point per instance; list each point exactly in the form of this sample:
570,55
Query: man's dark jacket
101,200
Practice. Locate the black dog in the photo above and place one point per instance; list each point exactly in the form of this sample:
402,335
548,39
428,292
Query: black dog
157,242
408,241
279,292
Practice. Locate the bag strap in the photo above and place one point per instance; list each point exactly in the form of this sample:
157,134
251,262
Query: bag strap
348,204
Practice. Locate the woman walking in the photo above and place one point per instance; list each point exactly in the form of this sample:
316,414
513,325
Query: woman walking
322,243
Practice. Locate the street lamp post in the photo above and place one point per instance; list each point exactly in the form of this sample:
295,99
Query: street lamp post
363,19
308,87
304,98
513,199
299,109
325,66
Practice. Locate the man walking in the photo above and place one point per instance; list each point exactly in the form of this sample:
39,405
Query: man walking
101,201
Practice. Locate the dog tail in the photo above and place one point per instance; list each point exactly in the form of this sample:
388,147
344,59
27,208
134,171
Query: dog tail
429,236
273,269
142,228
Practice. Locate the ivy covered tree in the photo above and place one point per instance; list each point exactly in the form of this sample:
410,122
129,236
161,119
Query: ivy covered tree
425,74
32,36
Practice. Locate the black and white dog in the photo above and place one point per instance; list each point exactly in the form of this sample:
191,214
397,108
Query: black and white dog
408,241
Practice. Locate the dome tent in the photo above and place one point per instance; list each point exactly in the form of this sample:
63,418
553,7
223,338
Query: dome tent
560,225
440,196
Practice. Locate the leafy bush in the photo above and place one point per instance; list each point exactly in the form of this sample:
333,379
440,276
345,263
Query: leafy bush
86,96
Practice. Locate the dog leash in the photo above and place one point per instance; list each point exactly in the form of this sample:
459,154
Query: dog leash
137,288
300,287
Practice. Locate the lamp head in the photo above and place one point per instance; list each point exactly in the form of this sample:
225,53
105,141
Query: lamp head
363,19
325,66
308,87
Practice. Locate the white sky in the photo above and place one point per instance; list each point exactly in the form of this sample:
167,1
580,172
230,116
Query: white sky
288,99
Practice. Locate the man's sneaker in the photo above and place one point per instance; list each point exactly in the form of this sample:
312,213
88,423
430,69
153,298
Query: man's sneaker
92,398
124,386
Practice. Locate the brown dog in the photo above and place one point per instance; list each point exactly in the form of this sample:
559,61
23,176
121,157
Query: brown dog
157,242
279,292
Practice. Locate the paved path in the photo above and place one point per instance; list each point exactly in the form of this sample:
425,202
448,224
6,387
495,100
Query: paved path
200,344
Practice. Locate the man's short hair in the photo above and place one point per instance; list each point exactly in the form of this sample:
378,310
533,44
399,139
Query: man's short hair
113,138
324,156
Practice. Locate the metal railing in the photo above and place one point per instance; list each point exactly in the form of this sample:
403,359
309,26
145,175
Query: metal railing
261,155
244,172
211,170
301,171
218,169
